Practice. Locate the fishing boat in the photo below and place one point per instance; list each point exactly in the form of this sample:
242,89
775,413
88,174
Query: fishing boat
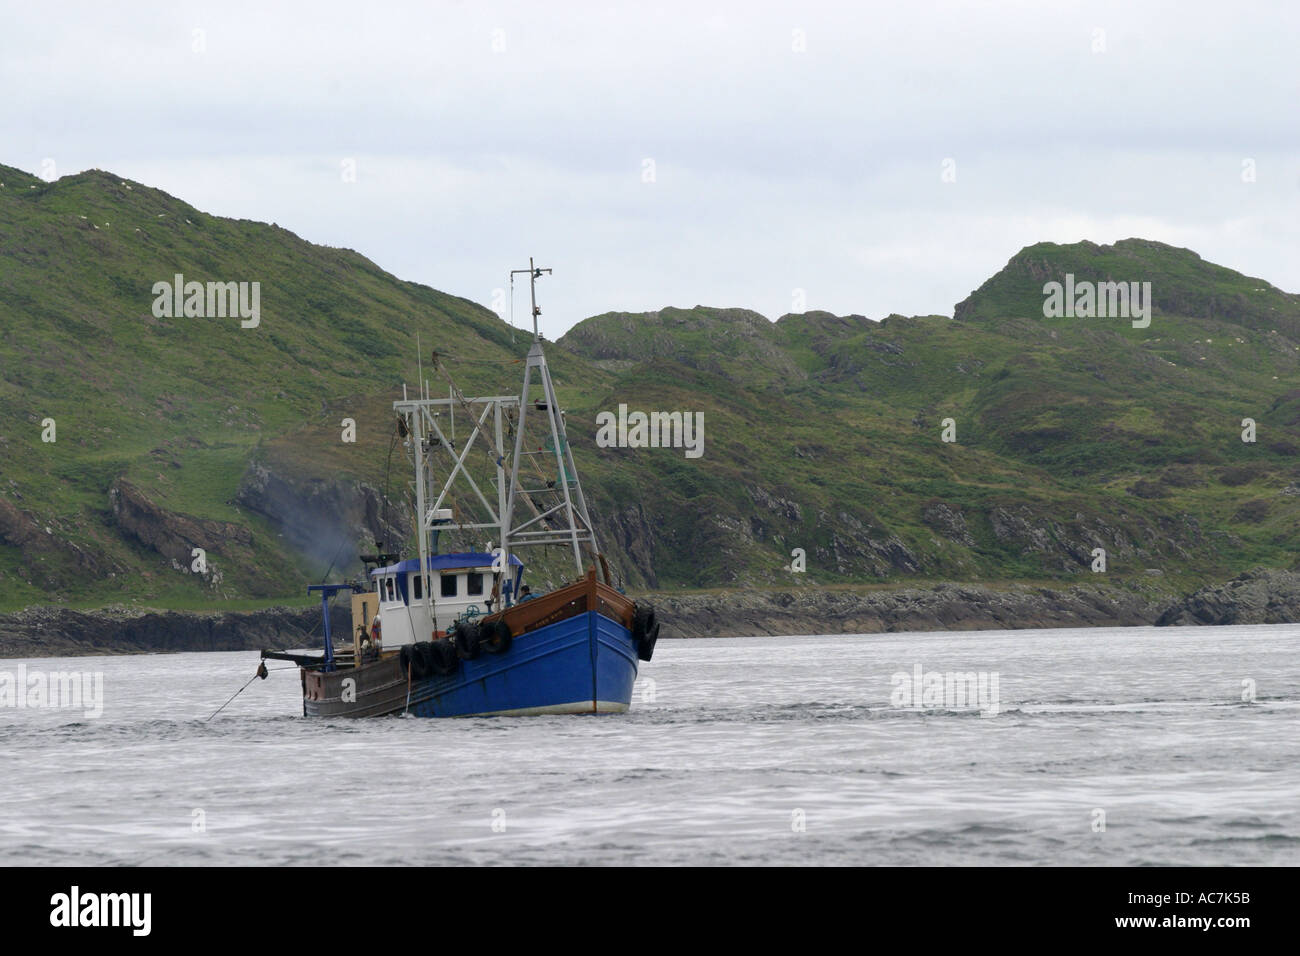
460,634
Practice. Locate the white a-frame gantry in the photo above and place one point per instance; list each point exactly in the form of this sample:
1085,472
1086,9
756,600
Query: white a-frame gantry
555,508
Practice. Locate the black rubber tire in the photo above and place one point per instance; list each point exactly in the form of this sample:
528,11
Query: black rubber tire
498,638
644,624
643,620
420,660
445,658
468,640
404,658
645,649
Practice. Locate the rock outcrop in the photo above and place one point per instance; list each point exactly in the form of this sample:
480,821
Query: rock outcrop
51,557
325,520
937,608
60,632
176,536
1259,596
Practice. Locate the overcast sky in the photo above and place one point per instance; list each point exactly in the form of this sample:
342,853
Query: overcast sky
795,146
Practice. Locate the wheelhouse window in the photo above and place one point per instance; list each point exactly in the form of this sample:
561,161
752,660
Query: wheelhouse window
474,583
417,590
390,589
449,585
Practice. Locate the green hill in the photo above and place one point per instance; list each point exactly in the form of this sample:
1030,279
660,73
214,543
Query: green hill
821,432
174,410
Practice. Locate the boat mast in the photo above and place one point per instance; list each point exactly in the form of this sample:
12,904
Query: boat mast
573,525
416,424
556,512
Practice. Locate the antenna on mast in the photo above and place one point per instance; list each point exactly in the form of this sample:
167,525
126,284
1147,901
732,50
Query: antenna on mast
534,274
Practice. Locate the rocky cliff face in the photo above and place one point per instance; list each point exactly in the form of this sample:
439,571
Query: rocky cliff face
627,536
330,521
1259,596
50,556
176,536
1067,543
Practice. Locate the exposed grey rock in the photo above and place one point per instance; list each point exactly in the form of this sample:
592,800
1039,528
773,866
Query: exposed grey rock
174,536
57,632
1259,596
940,607
328,520
949,521
47,550
629,538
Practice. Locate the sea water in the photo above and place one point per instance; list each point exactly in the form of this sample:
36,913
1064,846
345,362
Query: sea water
1104,746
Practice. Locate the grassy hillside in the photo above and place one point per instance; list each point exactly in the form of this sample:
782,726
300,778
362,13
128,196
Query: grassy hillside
821,432
177,407
1072,434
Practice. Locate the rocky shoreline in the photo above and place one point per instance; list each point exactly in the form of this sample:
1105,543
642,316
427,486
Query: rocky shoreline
61,632
1259,596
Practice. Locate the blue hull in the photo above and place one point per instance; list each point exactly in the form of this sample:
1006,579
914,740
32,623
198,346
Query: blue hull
585,664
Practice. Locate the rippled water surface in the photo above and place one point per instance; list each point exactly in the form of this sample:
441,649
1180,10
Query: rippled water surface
739,751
